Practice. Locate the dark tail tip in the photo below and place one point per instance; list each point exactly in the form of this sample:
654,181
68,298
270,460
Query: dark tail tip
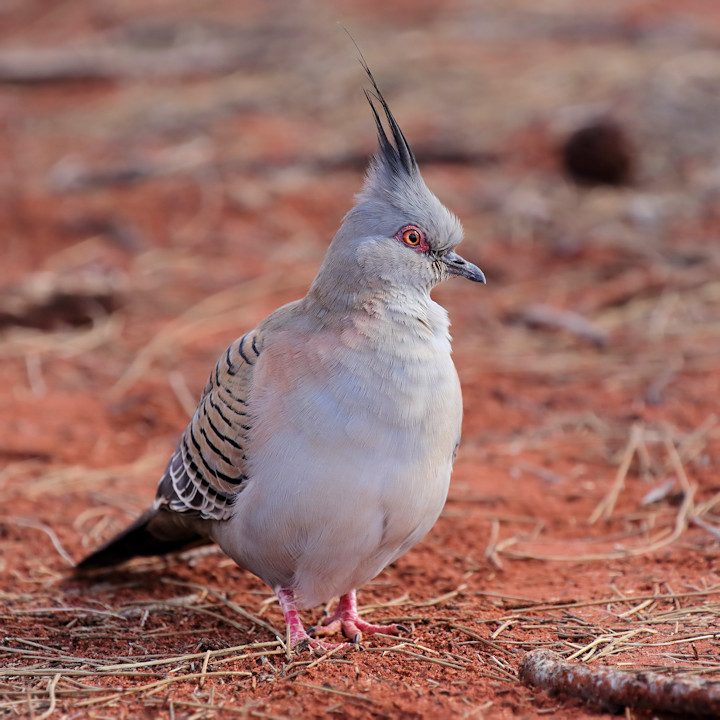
155,532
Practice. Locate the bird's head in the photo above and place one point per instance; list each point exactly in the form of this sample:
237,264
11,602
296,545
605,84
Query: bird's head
398,236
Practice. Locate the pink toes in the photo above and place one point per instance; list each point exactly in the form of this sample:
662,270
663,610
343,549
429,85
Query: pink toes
345,619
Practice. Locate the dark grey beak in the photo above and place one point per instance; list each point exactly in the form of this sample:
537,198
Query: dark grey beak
462,268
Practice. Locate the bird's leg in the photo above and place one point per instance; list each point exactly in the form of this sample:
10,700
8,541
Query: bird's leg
295,626
346,618
292,617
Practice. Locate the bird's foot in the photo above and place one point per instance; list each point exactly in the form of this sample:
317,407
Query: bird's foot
346,619
298,638
355,628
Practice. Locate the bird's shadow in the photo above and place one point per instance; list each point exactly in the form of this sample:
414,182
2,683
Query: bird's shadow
157,608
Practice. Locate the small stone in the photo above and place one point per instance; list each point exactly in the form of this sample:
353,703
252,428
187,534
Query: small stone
599,153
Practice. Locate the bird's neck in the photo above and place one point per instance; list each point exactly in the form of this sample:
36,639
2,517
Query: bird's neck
403,313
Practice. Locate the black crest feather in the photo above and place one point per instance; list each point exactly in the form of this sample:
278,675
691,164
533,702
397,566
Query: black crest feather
399,156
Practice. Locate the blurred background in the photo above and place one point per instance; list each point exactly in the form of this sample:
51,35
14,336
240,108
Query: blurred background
154,154
170,172
173,171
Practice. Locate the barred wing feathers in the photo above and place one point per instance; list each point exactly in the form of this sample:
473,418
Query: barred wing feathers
208,468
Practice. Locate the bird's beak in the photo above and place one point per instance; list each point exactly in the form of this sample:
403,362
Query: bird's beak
457,265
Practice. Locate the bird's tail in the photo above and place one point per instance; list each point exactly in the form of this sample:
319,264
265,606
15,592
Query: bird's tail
155,532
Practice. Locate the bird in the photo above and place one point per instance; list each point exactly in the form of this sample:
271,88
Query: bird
323,442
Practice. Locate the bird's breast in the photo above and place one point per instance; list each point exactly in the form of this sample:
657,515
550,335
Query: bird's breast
332,418
359,390
350,456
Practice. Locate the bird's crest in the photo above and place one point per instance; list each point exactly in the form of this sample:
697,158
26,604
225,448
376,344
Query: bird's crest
399,157
394,192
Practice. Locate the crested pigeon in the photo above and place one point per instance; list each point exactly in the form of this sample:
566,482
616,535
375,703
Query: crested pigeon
322,445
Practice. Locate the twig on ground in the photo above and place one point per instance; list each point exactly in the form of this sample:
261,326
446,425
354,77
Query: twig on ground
545,316
608,687
66,64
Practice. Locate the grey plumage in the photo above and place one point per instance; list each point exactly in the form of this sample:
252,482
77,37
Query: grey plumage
322,445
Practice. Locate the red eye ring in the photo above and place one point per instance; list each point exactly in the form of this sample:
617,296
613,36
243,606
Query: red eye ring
413,237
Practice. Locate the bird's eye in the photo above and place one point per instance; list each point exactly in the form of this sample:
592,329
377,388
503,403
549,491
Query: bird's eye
412,236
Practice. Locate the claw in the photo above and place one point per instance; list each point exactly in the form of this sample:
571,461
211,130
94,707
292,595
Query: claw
301,645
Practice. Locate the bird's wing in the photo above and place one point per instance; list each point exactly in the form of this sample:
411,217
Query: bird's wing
208,468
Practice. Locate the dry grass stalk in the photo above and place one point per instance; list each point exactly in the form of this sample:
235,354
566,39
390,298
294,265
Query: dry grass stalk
607,505
675,446
216,312
42,527
53,700
304,667
334,691
501,647
612,643
68,478
229,603
27,343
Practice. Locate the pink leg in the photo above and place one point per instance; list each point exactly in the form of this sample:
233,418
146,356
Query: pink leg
294,623
346,618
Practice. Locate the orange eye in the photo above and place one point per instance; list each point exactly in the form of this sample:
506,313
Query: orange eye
412,236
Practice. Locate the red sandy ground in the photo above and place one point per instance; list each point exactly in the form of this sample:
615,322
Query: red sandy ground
547,413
